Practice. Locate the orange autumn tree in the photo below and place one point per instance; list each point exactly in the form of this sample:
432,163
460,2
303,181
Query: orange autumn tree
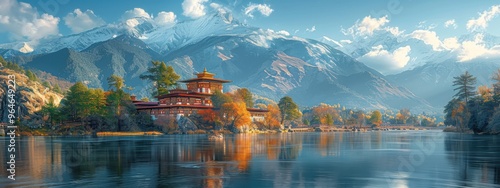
208,115
325,113
234,114
272,118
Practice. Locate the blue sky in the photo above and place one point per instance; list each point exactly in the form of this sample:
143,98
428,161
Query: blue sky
35,19
337,19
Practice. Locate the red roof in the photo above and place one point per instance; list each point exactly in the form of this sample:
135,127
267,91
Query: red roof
205,79
174,106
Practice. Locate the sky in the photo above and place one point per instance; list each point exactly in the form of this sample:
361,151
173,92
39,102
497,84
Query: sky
35,19
437,23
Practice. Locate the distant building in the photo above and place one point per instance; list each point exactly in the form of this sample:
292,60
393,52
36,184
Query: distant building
184,102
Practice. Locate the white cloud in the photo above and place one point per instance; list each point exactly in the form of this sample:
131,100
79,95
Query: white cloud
79,21
474,49
451,43
386,62
23,21
135,13
283,32
367,26
428,37
482,21
165,18
264,9
450,23
193,8
313,28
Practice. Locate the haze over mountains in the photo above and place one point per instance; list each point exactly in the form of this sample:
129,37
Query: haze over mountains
270,63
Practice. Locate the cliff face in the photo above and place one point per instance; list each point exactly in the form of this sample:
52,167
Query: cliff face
30,96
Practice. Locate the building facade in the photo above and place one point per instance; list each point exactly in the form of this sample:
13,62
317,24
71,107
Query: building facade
184,102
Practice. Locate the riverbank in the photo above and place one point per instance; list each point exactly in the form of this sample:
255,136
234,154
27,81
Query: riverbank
79,131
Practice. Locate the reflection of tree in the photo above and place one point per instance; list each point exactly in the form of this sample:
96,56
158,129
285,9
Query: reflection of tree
474,156
290,147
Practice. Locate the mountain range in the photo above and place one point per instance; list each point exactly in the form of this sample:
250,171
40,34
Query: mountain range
270,63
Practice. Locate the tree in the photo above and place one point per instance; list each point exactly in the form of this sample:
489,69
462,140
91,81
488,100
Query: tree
46,84
376,118
31,76
485,92
244,95
164,77
97,102
219,98
235,114
289,110
403,115
326,114
272,118
76,103
51,110
359,116
450,112
464,86
57,89
496,85
115,82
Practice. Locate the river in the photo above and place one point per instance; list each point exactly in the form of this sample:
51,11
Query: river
353,159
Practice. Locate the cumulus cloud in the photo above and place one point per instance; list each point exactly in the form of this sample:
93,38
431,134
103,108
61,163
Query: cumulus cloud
283,32
474,49
264,9
451,43
482,21
428,37
450,23
313,28
23,21
79,21
193,8
386,62
367,26
135,13
165,18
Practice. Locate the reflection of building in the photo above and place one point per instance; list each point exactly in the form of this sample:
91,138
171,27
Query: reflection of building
184,102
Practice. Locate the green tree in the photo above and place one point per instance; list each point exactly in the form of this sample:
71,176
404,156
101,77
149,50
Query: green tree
376,118
496,85
289,110
57,89
46,84
76,103
31,76
115,82
218,99
97,102
52,111
245,95
163,76
464,86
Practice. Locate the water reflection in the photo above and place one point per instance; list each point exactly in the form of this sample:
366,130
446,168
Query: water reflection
477,158
246,160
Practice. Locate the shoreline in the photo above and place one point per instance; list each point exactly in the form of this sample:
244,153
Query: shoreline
41,132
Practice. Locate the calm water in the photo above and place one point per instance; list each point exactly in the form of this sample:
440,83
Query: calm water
373,159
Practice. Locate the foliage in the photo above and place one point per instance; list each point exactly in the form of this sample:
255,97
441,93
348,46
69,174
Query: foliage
464,86
76,103
244,95
219,98
289,110
115,82
164,77
272,118
376,118
235,114
31,76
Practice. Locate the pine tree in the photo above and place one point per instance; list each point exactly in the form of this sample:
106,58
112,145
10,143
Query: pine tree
289,110
464,86
164,77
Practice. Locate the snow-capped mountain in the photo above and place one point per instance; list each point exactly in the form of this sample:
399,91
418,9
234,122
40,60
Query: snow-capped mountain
270,63
160,38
